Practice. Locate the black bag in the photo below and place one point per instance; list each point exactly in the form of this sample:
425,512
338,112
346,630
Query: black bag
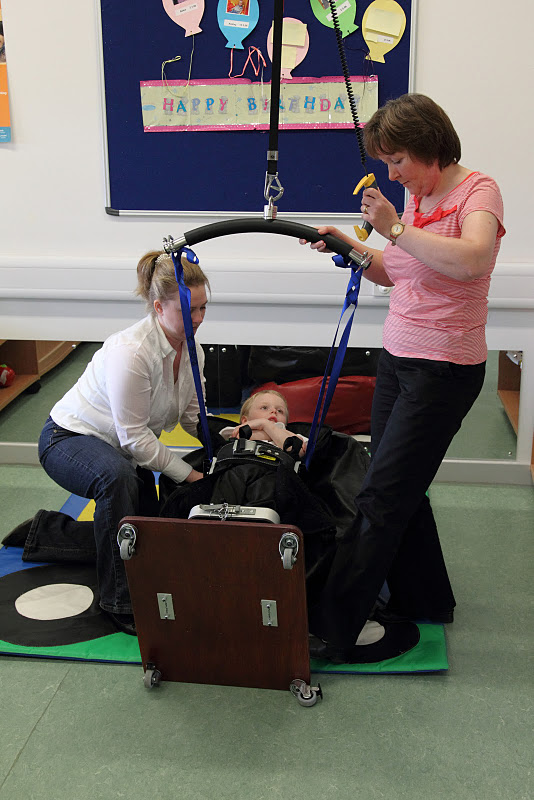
284,364
225,373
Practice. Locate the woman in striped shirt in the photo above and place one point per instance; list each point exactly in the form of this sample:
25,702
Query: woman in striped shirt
439,259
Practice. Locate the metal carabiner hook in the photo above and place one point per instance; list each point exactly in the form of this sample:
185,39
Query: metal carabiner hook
269,211
270,181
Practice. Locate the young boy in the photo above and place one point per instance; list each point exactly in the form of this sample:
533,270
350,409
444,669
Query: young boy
266,413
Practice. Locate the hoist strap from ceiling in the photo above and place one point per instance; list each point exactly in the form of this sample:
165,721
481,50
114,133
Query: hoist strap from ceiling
278,22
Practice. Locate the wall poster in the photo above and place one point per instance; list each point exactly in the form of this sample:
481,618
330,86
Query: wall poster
5,123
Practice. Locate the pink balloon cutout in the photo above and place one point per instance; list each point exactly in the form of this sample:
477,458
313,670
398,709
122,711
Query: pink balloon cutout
186,13
285,72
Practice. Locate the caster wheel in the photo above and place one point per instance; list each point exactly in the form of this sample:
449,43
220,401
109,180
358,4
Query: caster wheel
126,549
287,558
307,701
126,539
152,677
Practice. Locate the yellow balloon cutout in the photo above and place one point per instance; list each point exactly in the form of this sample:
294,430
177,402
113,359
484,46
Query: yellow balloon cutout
382,27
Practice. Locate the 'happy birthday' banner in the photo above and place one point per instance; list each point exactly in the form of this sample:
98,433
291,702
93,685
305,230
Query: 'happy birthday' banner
305,103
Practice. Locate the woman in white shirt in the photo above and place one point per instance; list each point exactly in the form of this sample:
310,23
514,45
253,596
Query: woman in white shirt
101,440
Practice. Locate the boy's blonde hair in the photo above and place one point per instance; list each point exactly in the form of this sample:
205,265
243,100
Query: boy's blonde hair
245,408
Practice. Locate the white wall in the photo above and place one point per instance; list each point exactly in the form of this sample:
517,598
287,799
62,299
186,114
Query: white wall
67,269
52,175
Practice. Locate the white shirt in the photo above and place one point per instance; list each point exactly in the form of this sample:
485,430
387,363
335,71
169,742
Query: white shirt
127,397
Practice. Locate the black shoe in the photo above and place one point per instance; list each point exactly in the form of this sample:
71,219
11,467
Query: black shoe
387,616
443,617
317,646
124,623
18,536
398,638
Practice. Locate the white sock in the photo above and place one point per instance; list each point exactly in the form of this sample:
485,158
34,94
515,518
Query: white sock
371,632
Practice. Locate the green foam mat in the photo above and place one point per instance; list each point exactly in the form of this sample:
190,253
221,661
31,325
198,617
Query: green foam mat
429,655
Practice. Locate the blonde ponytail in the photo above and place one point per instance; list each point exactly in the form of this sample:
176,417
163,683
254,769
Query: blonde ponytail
156,279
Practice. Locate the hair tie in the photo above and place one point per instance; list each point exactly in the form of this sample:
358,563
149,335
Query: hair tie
157,261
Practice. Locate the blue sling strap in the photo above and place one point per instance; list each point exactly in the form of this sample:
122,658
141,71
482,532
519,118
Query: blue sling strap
335,362
185,304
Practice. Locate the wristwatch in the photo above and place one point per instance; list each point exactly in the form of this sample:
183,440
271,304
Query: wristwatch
396,230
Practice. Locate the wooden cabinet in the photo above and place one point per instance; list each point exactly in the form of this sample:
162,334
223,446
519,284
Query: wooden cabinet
509,384
508,389
30,360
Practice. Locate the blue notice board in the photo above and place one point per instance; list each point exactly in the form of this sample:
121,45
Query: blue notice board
224,171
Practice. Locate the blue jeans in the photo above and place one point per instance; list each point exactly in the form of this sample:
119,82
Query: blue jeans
89,467
418,407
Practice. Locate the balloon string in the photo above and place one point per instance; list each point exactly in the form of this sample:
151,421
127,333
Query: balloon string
164,77
191,61
171,61
256,68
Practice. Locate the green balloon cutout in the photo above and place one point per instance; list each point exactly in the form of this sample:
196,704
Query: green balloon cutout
346,12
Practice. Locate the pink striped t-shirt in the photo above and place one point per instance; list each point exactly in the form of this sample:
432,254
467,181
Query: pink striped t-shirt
431,315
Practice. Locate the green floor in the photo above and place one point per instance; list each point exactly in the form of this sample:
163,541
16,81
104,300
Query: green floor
74,731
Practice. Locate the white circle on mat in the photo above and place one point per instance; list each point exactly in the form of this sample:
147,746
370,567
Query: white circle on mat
54,601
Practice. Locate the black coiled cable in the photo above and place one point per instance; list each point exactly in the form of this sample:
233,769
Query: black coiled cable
346,75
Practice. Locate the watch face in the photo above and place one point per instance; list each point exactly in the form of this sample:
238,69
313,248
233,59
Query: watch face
397,229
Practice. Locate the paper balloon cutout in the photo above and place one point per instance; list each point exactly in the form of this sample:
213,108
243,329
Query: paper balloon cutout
237,18
382,27
186,13
295,44
346,11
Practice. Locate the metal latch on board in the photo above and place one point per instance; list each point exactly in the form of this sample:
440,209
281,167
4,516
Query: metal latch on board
269,613
166,608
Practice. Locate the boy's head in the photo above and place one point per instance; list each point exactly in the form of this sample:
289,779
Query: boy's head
265,405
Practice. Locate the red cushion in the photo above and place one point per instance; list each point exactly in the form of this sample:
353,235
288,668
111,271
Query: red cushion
350,409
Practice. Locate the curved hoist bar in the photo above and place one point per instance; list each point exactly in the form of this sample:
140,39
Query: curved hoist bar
282,227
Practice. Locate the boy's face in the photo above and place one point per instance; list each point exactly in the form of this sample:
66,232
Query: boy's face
267,406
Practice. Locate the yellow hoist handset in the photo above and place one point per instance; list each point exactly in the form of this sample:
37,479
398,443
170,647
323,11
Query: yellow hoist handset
368,182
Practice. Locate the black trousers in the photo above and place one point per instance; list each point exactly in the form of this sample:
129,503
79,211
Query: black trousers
418,407
56,537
